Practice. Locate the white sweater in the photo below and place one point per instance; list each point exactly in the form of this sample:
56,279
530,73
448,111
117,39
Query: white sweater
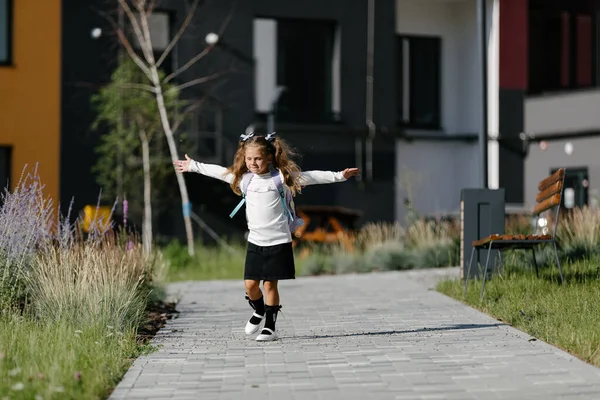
267,224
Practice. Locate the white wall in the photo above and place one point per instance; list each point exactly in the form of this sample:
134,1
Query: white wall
436,171
539,163
566,112
456,23
433,174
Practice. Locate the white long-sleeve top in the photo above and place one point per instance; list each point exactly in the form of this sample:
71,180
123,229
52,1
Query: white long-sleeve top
267,223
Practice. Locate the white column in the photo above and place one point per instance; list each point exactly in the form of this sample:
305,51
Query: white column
493,23
265,54
336,74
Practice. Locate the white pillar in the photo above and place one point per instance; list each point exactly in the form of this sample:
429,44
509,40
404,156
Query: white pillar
493,79
265,54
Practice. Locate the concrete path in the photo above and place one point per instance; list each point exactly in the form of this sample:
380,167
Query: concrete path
373,336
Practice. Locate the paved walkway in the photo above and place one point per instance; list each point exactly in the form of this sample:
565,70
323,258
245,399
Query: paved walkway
374,336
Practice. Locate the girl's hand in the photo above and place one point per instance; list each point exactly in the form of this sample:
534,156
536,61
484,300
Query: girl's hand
182,165
350,172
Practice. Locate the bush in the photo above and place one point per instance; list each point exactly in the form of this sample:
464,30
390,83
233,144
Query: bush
389,256
579,233
317,263
25,227
68,304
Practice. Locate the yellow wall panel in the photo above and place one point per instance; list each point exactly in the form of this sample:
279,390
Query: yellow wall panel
30,92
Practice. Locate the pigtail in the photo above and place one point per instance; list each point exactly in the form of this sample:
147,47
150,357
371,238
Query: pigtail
238,168
283,159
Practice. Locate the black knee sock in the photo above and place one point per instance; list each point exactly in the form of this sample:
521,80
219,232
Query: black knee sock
271,317
259,306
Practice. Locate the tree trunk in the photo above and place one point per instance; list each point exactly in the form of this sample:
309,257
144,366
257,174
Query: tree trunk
147,222
185,202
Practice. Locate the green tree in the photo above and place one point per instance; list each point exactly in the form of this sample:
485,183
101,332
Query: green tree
133,156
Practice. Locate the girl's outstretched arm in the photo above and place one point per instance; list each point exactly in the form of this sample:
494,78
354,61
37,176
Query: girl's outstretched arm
321,177
211,170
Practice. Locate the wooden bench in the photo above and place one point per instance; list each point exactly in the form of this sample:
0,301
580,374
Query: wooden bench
327,224
549,196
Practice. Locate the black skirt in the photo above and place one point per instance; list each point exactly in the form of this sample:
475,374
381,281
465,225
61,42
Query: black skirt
270,263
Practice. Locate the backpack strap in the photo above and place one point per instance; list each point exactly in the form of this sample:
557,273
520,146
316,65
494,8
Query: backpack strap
277,178
244,186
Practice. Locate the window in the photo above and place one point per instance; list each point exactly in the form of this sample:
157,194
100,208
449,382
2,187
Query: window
419,80
159,24
300,61
5,32
562,48
575,193
5,164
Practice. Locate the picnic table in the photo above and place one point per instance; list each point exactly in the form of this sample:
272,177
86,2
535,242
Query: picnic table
327,224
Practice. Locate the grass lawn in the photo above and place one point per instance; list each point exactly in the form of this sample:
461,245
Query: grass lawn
567,317
48,361
209,263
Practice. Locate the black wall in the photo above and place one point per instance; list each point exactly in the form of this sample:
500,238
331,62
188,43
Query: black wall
512,164
87,64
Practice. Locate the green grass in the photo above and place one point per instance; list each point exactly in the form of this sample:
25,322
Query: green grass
567,317
208,262
58,361
76,336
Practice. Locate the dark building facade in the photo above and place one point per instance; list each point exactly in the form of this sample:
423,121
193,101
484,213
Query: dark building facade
320,58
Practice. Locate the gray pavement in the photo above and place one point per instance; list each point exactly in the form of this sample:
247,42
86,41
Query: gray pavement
372,336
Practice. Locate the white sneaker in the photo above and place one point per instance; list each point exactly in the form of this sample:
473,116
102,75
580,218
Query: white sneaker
267,335
252,328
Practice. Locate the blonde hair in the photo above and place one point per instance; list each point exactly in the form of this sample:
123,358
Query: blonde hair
282,159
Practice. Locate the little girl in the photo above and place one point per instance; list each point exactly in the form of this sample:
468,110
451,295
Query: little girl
269,255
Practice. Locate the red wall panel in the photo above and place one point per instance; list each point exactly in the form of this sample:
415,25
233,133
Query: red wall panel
513,44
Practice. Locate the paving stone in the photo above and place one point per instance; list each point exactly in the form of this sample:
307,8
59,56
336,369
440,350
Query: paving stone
369,336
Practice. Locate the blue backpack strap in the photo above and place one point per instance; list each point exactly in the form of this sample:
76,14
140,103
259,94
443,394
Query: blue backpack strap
277,178
244,186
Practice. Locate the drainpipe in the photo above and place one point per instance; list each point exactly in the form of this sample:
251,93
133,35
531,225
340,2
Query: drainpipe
483,136
369,89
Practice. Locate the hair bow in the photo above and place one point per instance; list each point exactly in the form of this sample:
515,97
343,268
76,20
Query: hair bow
246,136
270,137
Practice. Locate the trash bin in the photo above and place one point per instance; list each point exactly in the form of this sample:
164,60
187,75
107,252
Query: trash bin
481,214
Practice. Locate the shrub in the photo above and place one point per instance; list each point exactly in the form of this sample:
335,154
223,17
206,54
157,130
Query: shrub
376,233
317,263
25,221
579,233
83,285
389,256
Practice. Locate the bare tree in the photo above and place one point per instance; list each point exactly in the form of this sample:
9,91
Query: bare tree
138,13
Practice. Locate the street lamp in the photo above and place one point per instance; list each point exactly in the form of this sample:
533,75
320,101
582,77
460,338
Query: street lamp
211,38
96,33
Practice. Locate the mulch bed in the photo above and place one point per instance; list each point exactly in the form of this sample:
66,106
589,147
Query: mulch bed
157,316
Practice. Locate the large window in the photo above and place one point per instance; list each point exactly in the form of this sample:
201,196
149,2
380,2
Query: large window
563,46
159,24
300,60
419,81
5,32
